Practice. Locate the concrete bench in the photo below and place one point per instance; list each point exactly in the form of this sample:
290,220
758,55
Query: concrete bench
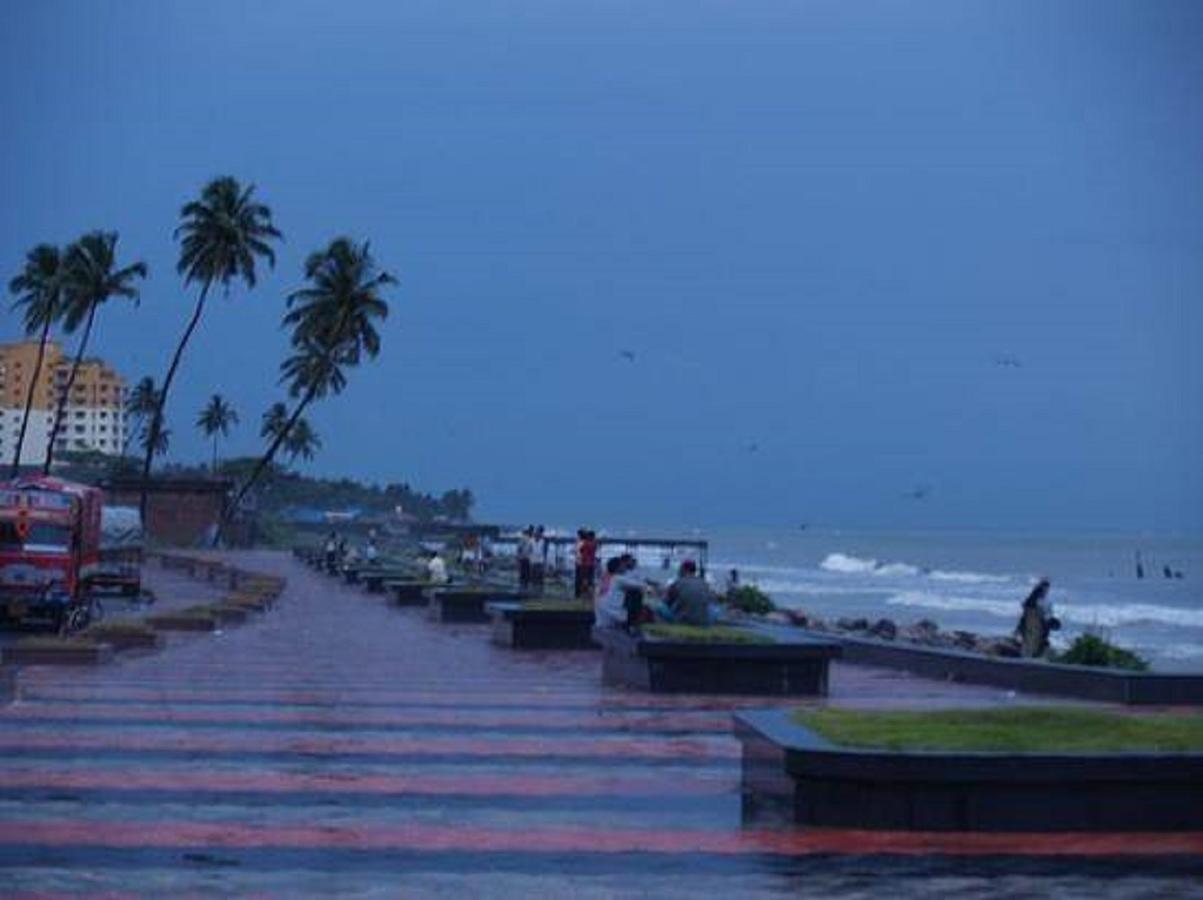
543,626
797,667
466,604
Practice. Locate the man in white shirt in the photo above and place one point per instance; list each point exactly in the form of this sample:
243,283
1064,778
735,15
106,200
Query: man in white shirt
436,569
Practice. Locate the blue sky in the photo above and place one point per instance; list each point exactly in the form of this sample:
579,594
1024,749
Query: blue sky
815,225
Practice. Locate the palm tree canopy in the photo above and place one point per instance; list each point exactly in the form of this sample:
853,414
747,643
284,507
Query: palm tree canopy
334,317
274,421
92,276
39,287
302,440
143,400
223,233
217,417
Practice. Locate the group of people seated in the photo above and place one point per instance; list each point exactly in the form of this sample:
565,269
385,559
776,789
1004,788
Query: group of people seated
626,600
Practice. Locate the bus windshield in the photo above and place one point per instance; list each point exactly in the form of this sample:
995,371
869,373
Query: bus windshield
43,536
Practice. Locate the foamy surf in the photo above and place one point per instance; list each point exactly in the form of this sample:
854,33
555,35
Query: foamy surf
1109,616
846,564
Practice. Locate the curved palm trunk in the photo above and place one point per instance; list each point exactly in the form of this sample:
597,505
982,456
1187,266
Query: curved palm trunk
214,470
264,462
33,385
156,423
60,410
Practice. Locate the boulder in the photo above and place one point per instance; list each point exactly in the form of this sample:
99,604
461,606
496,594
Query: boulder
884,629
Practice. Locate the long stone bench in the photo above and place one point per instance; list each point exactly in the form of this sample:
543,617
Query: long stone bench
789,771
542,626
792,666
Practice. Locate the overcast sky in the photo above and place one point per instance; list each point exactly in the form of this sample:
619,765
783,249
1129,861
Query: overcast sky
816,226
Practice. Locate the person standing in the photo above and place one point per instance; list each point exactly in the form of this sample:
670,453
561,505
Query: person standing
525,551
538,565
586,563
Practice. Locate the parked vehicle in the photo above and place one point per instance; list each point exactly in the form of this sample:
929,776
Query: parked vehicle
121,550
49,549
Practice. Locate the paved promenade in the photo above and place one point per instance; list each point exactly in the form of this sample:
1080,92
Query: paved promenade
341,746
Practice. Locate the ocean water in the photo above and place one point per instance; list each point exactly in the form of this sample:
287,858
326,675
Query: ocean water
977,582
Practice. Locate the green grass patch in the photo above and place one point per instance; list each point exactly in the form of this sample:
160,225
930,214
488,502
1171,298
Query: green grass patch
48,642
558,604
1028,730
101,629
701,634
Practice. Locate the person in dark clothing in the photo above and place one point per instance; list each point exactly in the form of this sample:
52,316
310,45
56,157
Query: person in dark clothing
690,600
1036,621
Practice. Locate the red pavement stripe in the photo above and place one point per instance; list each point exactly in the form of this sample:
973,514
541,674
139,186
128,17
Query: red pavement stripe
367,718
420,837
448,696
428,785
275,742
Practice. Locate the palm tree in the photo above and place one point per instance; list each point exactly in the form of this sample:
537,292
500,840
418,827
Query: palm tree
273,421
216,418
92,277
141,403
333,321
161,440
39,289
303,441
222,237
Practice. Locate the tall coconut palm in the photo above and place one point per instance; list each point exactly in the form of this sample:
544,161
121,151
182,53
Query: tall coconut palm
303,441
92,278
334,326
216,419
140,405
39,288
223,236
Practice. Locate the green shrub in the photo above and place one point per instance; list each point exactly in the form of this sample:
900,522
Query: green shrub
751,599
1093,650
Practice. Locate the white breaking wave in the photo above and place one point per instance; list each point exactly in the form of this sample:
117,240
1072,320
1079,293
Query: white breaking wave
851,565
1081,613
845,564
968,577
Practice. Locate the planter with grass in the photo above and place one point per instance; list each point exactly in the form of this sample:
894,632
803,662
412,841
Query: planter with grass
714,660
374,579
1014,769
547,623
466,604
409,591
191,619
56,651
125,635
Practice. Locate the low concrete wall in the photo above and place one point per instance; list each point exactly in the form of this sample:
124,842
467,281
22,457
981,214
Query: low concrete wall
1028,676
790,771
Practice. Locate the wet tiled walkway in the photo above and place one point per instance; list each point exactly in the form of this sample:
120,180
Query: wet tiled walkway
341,746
